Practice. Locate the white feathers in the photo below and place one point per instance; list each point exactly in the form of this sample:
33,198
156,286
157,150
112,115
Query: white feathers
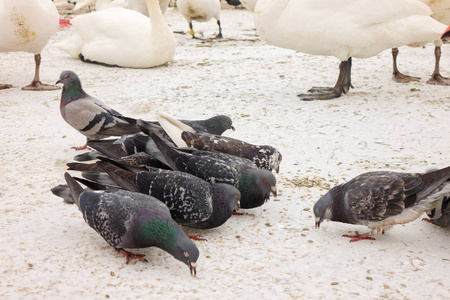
174,128
345,28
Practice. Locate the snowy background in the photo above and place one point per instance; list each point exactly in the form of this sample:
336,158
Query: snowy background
272,252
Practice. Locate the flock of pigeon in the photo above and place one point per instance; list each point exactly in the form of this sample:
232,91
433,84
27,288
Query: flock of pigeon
158,175
154,176
201,177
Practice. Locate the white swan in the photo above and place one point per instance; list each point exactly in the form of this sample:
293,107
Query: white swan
27,25
200,11
137,5
441,12
122,37
141,6
344,29
249,4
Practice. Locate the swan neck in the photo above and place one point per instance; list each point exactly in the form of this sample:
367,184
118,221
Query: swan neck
154,11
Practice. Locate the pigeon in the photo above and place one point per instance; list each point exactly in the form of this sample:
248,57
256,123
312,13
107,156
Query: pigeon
254,184
214,125
88,115
192,201
133,220
440,215
264,156
125,149
382,199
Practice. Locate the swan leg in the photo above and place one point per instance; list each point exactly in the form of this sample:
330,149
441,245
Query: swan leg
219,35
436,77
343,85
36,84
191,30
5,86
396,75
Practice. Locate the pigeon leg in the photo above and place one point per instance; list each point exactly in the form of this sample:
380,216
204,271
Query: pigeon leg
130,255
36,84
428,220
436,77
343,85
358,237
396,75
85,146
196,237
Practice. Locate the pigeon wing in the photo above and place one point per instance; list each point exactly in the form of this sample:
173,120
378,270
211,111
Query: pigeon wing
377,195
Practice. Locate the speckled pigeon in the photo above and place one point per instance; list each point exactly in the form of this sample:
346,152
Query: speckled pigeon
266,157
440,215
88,115
192,201
255,184
133,220
382,199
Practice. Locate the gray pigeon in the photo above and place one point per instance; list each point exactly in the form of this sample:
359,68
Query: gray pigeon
88,115
264,156
440,215
255,184
192,201
133,220
382,199
214,125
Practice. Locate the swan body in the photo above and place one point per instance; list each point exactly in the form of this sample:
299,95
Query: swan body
200,11
141,6
27,25
137,5
344,29
249,4
122,37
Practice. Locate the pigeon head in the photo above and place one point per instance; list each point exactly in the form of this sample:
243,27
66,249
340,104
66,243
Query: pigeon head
186,251
72,89
225,198
272,158
256,185
275,160
220,124
322,208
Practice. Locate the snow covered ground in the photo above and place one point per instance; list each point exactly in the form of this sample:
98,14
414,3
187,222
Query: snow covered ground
272,252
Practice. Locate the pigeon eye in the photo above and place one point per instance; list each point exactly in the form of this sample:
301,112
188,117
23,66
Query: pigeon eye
236,197
185,253
266,181
227,121
67,76
323,212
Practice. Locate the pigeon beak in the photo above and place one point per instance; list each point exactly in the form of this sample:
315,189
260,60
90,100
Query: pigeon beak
232,128
59,81
318,221
277,170
192,268
273,189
